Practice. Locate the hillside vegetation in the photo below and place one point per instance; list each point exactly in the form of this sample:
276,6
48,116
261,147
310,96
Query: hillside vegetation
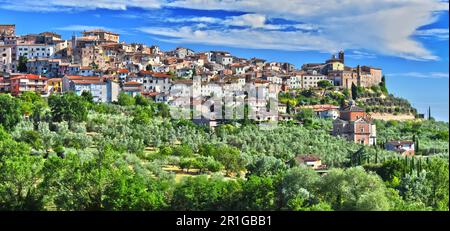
69,153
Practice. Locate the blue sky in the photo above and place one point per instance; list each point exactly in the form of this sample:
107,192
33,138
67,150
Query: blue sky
408,39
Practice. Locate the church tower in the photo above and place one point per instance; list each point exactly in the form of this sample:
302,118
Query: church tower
341,56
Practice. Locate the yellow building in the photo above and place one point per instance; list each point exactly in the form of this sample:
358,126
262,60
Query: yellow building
335,64
55,85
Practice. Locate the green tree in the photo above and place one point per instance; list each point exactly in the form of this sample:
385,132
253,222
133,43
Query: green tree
142,115
22,66
129,191
298,188
266,165
382,84
201,193
324,84
68,107
87,96
258,194
141,101
75,184
10,113
354,189
165,151
354,92
182,151
438,178
231,159
415,187
20,177
125,100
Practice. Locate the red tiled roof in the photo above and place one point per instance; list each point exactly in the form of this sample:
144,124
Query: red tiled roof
29,76
261,81
132,83
87,81
145,72
79,77
122,71
55,80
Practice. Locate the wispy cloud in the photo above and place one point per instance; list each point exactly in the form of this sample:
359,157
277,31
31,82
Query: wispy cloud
382,26
248,38
360,55
439,33
69,5
428,75
79,28
387,27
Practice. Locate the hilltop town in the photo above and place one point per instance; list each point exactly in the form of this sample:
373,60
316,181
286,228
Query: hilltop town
86,124
99,63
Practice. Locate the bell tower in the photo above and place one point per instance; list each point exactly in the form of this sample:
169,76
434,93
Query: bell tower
341,56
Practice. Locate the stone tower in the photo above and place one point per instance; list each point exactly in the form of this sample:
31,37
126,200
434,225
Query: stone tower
341,56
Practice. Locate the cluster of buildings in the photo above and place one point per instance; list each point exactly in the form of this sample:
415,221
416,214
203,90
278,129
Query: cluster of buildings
100,53
98,62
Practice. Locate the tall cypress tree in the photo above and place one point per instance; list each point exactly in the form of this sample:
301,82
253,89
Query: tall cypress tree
354,91
417,145
383,85
429,112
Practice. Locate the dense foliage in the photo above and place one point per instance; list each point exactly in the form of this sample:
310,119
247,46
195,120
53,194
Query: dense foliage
69,153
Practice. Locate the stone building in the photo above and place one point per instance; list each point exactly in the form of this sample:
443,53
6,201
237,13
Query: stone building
355,125
7,30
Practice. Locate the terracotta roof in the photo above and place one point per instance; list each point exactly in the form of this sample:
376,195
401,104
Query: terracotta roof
87,81
132,83
29,76
261,81
122,71
78,77
145,72
161,75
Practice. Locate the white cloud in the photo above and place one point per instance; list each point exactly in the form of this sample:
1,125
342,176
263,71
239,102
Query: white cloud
387,27
70,5
193,19
428,75
251,20
360,55
78,28
244,38
382,26
439,33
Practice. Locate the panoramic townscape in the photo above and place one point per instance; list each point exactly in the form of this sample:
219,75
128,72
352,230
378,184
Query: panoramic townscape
93,123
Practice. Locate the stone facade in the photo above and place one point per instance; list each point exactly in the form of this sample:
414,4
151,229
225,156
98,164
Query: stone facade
355,125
